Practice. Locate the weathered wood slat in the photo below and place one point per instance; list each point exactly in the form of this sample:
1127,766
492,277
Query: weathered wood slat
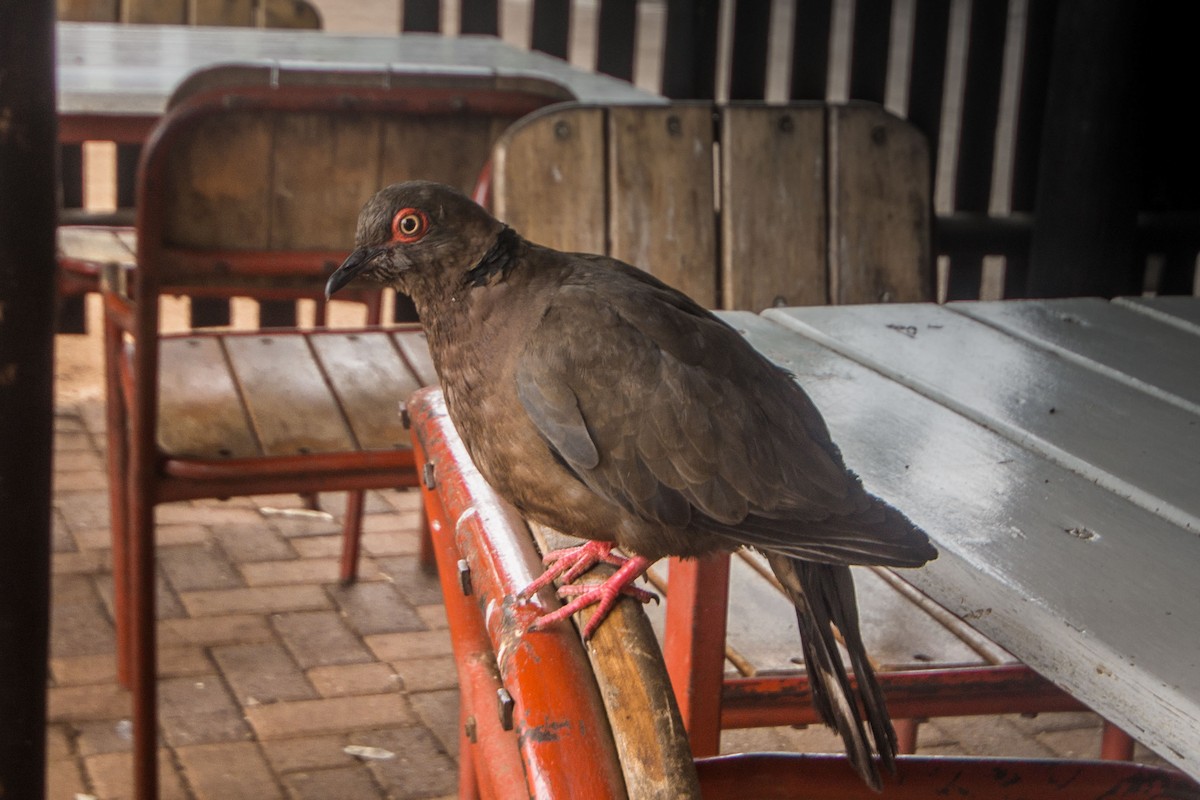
1077,421
880,208
1179,310
221,179
87,10
1144,351
548,179
773,221
308,209
370,380
278,374
200,410
156,12
663,219
101,245
238,13
452,149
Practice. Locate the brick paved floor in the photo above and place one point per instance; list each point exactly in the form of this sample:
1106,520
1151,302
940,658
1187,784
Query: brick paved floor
269,669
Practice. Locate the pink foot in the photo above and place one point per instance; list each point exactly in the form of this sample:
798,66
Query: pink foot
572,562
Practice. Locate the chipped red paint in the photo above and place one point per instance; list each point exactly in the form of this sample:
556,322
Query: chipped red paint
559,728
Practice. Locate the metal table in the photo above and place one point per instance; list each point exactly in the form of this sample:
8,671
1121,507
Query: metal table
115,80
1052,451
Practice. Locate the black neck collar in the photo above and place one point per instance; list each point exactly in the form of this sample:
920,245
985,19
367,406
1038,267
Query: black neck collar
496,263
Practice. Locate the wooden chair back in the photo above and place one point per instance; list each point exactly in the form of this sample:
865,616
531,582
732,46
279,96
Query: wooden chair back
748,206
235,13
742,206
253,182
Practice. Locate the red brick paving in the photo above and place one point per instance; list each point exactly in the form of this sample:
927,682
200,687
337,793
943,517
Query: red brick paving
269,668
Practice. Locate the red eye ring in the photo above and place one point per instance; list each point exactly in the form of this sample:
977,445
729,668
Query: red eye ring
409,225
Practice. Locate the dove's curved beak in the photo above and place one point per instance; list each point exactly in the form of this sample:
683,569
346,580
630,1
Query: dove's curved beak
351,268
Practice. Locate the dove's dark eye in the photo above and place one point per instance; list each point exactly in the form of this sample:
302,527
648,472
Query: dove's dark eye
409,225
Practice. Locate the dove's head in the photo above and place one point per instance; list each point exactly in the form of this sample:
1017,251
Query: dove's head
421,238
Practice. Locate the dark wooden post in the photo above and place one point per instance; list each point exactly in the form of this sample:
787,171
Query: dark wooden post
1085,229
690,52
28,140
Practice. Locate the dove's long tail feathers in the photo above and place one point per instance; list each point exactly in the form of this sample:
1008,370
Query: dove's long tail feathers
824,598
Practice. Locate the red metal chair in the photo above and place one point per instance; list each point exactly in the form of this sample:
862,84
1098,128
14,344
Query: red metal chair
254,191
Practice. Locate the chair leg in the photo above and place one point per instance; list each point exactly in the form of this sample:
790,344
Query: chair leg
906,735
468,781
1115,744
694,645
143,642
117,454
352,535
426,558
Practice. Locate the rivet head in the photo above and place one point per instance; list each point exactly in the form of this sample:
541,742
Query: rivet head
562,130
674,126
504,706
464,576
786,125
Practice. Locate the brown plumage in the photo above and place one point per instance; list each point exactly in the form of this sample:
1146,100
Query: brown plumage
603,403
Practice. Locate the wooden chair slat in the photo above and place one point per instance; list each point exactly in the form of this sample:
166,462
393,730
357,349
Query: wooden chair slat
773,252
87,10
290,14
663,219
880,208
559,162
237,13
370,380
277,375
220,174
99,244
308,210
154,12
453,149
201,412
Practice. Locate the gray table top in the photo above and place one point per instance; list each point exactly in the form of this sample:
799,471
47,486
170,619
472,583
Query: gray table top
132,69
1052,451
